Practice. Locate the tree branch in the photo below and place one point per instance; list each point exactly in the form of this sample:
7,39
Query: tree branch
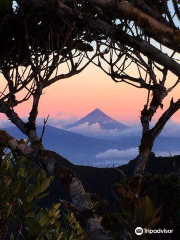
68,178
119,35
173,108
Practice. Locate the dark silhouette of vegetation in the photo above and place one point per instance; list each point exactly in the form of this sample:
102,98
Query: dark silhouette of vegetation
146,75
43,42
23,185
144,34
38,44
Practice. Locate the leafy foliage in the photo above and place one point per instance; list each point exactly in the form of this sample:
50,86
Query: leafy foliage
44,33
22,186
165,190
132,211
137,211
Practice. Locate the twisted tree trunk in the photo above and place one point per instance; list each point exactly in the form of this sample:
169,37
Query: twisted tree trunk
150,136
159,92
144,152
69,179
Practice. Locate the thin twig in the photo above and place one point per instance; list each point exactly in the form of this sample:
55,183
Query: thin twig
44,128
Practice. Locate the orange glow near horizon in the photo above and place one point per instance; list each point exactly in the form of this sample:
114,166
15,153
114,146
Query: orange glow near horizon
92,89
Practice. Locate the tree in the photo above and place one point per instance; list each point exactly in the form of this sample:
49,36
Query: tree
35,42
40,35
145,33
147,75
23,185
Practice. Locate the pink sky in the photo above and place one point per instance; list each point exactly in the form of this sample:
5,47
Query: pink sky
83,93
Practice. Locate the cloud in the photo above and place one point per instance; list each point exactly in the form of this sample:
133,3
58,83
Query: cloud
114,157
114,153
5,124
94,130
172,129
60,121
109,157
134,131
59,113
66,115
129,154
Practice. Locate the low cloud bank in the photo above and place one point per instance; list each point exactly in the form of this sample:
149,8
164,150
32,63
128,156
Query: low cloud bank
94,130
114,153
131,153
62,119
110,157
172,129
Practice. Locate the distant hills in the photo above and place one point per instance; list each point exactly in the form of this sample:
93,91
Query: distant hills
99,117
83,150
77,148
102,180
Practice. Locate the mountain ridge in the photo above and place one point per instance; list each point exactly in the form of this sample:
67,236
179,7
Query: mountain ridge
99,117
78,148
83,150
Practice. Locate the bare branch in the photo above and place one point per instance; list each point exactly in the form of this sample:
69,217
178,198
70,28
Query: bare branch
44,127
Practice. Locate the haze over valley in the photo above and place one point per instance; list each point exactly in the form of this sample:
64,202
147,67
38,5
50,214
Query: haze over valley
99,140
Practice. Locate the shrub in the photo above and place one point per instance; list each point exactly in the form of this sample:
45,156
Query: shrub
22,186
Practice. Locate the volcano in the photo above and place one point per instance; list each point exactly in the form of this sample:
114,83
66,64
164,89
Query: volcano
99,117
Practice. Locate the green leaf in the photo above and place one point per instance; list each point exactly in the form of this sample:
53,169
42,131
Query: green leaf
9,210
42,196
44,219
27,205
30,197
42,174
45,184
119,170
60,236
15,187
12,237
153,222
21,172
54,209
30,215
149,210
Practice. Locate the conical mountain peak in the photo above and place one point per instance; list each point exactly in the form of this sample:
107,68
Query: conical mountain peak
99,117
97,110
